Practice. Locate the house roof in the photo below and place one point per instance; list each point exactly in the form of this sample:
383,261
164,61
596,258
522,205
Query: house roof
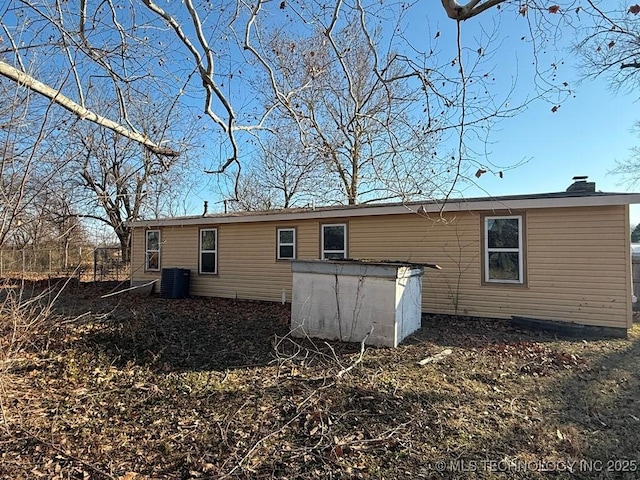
501,204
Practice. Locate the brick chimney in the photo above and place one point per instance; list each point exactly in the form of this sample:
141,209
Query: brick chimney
580,185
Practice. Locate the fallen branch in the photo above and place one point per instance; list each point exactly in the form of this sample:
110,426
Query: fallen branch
129,289
65,453
436,358
275,432
346,370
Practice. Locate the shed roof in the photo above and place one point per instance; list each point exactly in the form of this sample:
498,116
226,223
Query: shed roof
491,204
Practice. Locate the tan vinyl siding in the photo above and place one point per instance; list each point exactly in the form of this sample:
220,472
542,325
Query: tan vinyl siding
577,261
247,265
629,286
178,248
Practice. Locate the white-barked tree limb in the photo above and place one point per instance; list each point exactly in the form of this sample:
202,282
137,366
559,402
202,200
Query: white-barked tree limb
83,113
467,10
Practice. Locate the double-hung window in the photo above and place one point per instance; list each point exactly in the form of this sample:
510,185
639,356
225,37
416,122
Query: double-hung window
334,241
152,251
503,249
208,251
286,243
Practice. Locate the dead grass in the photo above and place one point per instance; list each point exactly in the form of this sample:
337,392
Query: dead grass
209,388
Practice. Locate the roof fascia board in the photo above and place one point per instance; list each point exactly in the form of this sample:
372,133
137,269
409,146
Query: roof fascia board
426,208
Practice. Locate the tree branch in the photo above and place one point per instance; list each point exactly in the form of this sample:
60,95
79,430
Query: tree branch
460,12
55,96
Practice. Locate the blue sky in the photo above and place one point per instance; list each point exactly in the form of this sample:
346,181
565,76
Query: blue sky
586,136
588,133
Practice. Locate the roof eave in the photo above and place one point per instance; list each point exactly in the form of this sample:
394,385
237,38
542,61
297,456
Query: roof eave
489,204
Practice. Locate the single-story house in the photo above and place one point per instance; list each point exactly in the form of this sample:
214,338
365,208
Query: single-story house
556,256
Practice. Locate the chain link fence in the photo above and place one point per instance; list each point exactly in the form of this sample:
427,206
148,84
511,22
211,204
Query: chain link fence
86,263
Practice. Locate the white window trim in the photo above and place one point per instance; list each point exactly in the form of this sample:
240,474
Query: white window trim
147,251
286,244
201,251
323,252
519,250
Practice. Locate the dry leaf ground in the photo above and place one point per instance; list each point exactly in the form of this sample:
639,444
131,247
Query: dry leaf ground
133,387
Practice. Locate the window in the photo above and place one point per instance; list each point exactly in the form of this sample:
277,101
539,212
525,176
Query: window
503,255
286,244
152,251
209,251
334,241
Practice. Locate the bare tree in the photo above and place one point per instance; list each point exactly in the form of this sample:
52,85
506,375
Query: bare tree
120,180
611,45
120,51
611,48
30,155
27,81
373,104
183,49
200,52
284,173
252,195
50,220
77,48
356,110
629,168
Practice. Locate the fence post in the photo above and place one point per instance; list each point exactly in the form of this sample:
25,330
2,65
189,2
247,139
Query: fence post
95,264
49,262
23,263
1,263
79,267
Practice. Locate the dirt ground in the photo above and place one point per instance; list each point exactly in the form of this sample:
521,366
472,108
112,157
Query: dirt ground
138,387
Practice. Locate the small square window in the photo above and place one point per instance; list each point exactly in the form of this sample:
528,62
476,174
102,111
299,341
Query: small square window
286,243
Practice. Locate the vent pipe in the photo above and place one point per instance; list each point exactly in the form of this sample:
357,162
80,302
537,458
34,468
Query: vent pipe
206,208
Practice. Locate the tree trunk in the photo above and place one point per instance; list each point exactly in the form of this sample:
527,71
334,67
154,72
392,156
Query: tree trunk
124,235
